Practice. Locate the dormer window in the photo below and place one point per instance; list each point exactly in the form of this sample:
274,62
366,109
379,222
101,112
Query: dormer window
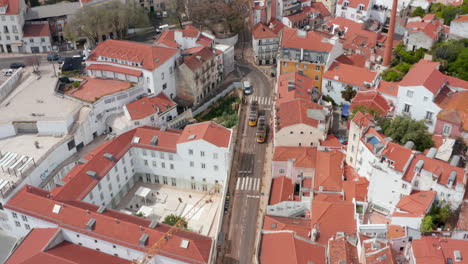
361,7
346,3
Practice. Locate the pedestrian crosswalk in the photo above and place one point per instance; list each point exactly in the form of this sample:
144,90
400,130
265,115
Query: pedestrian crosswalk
248,184
262,100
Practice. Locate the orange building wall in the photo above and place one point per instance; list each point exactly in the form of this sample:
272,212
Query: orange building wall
311,72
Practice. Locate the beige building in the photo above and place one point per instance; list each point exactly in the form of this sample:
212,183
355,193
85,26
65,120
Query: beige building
197,76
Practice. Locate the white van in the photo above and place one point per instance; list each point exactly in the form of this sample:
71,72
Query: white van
247,88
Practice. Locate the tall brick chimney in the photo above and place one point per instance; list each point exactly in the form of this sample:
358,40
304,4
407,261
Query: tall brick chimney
387,59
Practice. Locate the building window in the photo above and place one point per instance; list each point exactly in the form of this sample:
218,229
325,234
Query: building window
192,163
16,38
164,179
173,181
101,196
153,154
148,177
281,170
171,166
91,197
156,178
164,86
146,162
429,115
190,151
170,69
290,132
144,152
352,148
17,223
154,164
409,94
403,186
215,155
407,108
42,39
316,77
99,186
27,227
163,165
193,186
161,155
203,166
447,129
202,153
14,215
205,187
216,167
162,75
171,157
425,98
317,68
285,64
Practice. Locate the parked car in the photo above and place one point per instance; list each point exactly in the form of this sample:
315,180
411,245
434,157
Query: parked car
53,57
17,65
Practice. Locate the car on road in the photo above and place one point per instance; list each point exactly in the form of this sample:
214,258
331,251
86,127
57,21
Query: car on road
247,88
17,65
53,57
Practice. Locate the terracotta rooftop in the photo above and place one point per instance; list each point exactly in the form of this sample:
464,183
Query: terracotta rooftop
463,18
438,168
436,250
74,216
276,26
300,226
454,107
356,60
282,189
355,3
363,119
284,247
147,106
388,88
331,141
372,100
319,7
92,89
462,223
36,30
424,73
196,61
301,109
208,131
416,204
341,251
330,170
349,74
377,251
262,31
294,85
12,6
149,56
167,39
298,17
332,217
38,247
304,157
395,231
356,189
398,154
310,40
429,25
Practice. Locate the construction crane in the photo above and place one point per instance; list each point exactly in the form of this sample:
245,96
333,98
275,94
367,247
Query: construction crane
159,245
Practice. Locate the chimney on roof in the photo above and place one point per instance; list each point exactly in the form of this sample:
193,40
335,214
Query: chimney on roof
109,156
87,211
391,31
409,144
455,161
143,239
92,174
90,224
431,153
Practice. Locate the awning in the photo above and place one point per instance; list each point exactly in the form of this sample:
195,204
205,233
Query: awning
345,110
143,192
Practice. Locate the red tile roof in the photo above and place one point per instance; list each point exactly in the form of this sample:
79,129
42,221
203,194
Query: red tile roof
147,106
363,120
300,109
150,56
439,168
208,131
37,248
36,30
284,247
395,231
13,6
463,18
424,73
276,26
297,17
197,60
456,103
398,154
349,74
330,170
300,226
355,3
356,189
192,50
331,141
319,7
429,25
332,217
416,204
294,85
373,100
304,157
116,69
167,39
126,232
462,223
310,41
388,88
382,254
262,31
355,60
436,250
282,189
340,251
92,89
190,31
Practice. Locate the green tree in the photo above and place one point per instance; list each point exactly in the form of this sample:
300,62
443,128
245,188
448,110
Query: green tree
403,67
211,13
172,219
348,93
448,50
364,109
426,224
391,75
459,68
403,129
445,213
418,12
95,21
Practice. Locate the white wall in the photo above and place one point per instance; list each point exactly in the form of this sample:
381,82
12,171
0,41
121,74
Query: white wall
7,130
413,222
414,41
333,88
302,135
459,29
421,101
